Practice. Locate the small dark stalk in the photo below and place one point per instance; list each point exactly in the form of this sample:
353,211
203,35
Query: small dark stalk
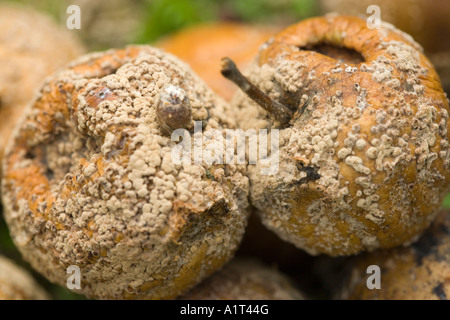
277,110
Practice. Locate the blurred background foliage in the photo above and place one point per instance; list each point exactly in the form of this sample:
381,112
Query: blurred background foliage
116,23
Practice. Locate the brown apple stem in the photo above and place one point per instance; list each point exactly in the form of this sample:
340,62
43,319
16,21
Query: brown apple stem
279,111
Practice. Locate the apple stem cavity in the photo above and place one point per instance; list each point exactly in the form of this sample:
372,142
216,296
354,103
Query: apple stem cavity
278,111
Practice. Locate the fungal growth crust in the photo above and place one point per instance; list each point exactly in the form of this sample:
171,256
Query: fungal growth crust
376,131
90,180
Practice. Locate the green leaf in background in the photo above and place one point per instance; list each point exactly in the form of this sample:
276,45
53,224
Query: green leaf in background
166,16
51,7
446,203
269,11
305,8
163,17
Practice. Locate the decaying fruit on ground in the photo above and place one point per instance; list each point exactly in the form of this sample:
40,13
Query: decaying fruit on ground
203,46
418,272
17,284
245,279
364,143
90,180
31,48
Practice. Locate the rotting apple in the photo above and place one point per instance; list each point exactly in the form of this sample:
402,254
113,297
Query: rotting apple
363,150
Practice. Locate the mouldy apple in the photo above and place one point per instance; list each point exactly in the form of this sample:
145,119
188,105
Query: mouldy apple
363,151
